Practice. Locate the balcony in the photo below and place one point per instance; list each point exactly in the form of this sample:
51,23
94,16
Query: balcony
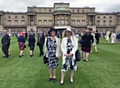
79,26
15,26
109,26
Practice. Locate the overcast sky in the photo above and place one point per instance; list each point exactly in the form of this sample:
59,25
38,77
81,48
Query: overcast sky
21,5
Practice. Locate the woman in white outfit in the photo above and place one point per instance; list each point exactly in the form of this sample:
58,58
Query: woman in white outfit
113,37
69,46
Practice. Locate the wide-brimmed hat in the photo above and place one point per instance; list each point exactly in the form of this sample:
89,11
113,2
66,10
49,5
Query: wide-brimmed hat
52,29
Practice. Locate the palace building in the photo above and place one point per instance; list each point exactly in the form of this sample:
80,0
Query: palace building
60,15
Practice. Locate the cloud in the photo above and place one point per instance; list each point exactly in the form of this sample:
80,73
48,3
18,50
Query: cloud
21,5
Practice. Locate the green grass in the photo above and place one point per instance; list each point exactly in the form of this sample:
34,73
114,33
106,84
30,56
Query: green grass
102,70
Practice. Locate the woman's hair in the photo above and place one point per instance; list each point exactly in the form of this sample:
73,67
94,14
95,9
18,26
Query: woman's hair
51,30
64,33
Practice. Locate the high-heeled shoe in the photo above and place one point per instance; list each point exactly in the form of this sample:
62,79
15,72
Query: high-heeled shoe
61,83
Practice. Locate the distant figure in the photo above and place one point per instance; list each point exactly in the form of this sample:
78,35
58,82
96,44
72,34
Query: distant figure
107,36
40,43
26,35
31,43
21,42
95,41
77,36
113,37
97,36
5,44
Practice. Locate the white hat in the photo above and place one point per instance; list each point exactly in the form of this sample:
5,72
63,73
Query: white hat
69,29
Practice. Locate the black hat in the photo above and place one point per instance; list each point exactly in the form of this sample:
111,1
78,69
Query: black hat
52,29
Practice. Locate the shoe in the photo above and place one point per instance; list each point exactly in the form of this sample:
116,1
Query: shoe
20,56
71,82
31,55
54,80
5,57
61,83
50,79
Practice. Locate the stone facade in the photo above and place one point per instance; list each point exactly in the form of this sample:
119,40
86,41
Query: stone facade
61,14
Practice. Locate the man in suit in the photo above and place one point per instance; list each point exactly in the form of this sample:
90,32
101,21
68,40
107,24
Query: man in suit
5,41
97,36
40,43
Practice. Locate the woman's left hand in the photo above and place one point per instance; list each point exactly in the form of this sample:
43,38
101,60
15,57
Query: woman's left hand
70,54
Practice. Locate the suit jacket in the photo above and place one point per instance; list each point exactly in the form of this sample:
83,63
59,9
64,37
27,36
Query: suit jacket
5,40
41,39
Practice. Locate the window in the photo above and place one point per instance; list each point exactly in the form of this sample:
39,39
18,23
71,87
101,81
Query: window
50,22
9,22
45,10
73,22
31,22
40,22
16,17
16,22
23,22
63,22
78,11
58,22
90,23
78,22
22,17
9,17
45,22
82,10
98,23
73,10
98,17
110,17
50,10
66,22
104,23
39,10
110,23
83,22
104,17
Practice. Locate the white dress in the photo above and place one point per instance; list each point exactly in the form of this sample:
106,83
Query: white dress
69,62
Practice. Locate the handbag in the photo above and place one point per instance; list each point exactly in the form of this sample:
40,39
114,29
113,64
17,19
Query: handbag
45,59
77,56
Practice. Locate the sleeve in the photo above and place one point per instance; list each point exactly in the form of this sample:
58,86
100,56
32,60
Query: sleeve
58,51
75,45
45,51
63,47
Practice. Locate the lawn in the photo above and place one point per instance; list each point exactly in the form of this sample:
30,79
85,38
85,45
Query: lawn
102,70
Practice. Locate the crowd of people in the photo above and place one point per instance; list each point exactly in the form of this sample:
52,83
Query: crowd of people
53,48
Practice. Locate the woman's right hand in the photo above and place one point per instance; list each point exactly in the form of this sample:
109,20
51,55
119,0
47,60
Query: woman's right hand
67,55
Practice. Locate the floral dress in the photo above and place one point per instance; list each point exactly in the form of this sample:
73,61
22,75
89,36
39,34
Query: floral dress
70,63
51,51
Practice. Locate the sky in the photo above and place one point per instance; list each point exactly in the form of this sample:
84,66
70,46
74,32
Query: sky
21,5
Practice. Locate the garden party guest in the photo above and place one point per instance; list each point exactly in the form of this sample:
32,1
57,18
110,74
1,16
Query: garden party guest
21,43
87,41
52,52
69,46
31,43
